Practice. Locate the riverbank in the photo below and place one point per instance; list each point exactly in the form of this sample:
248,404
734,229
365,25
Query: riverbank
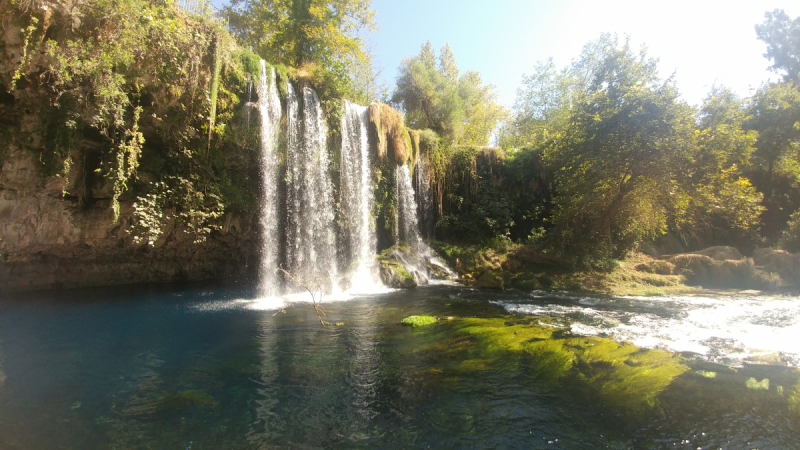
712,271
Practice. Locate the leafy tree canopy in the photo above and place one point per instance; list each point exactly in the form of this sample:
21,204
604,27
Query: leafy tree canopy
459,108
294,32
782,36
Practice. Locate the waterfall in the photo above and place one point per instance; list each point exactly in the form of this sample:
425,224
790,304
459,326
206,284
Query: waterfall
360,241
407,225
422,189
407,228
269,106
310,237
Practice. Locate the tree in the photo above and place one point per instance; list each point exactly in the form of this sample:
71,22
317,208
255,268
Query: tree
447,64
615,160
775,115
713,200
461,110
782,36
294,32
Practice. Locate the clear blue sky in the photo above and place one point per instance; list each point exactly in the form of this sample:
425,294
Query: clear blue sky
703,42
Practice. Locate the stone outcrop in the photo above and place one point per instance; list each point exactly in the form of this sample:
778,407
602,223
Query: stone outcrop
50,236
720,267
786,264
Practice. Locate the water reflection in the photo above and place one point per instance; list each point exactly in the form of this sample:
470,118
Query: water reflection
267,426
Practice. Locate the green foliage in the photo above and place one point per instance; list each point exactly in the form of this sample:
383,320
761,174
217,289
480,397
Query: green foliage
148,215
418,321
153,91
794,399
616,157
251,63
790,238
475,206
712,198
460,110
322,33
782,36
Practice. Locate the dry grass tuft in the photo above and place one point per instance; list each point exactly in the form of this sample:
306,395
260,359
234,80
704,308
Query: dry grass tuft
390,129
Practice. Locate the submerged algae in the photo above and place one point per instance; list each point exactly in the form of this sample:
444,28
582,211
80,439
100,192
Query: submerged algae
620,375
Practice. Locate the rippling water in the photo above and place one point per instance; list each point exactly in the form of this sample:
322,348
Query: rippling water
156,367
730,329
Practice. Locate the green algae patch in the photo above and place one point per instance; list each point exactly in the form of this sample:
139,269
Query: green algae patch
418,321
621,375
706,374
762,385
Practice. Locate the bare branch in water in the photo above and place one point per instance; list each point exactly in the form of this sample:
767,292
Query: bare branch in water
314,288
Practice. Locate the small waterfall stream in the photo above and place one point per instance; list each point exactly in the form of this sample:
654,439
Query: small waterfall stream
422,257
422,189
269,106
408,225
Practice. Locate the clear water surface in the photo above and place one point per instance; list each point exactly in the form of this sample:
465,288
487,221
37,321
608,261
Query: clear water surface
162,367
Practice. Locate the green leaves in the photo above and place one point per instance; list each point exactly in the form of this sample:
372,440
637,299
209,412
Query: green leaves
782,36
461,110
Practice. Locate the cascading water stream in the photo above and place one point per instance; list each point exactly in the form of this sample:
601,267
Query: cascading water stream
269,106
310,237
357,198
422,189
408,226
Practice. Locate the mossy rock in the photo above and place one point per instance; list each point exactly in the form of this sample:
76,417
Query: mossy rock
418,321
526,282
493,279
394,275
437,272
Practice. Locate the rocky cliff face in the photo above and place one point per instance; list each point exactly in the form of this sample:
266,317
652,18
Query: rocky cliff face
51,239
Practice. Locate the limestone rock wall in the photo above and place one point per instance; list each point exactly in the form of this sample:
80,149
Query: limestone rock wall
48,239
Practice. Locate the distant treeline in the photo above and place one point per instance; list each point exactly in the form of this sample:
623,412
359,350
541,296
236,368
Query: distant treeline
603,155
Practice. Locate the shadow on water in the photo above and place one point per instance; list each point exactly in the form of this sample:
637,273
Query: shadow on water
156,367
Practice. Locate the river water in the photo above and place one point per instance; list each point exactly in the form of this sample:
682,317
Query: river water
200,367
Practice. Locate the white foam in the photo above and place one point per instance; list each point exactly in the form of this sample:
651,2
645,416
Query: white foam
722,329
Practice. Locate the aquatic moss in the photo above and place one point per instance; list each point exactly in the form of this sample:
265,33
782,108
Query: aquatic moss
762,385
621,375
706,374
418,321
